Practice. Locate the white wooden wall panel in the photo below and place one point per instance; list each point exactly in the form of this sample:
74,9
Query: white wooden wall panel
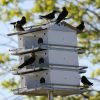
63,57
62,38
65,77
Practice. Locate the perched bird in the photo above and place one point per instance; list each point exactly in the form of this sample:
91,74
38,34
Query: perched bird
62,15
81,26
21,22
28,61
49,16
18,27
85,81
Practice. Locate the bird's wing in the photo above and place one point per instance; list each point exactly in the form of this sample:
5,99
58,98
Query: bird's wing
60,17
19,28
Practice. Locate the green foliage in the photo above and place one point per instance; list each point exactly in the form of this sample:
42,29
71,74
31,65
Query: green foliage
44,6
4,58
96,73
9,84
5,2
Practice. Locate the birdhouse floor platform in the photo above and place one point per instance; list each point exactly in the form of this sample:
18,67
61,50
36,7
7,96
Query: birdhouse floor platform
80,69
44,89
27,31
21,52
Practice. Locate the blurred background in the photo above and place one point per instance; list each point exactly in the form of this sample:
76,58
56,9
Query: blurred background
86,10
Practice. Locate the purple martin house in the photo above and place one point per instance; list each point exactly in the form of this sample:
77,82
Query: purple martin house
56,67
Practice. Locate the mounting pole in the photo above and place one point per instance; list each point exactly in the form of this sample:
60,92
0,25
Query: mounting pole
50,95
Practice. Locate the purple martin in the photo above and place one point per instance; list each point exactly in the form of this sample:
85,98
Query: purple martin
81,26
49,16
18,27
85,81
27,62
62,15
21,22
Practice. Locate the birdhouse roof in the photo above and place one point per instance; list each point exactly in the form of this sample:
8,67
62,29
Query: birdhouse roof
64,26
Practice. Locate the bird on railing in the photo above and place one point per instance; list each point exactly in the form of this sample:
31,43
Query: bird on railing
85,81
18,26
27,62
49,16
62,15
81,26
21,22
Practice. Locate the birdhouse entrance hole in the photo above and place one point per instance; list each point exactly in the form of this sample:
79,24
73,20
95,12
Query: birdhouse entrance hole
40,40
42,80
41,60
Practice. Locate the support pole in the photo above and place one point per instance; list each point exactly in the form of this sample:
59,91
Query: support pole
50,95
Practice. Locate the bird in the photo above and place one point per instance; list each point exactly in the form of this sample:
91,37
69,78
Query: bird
81,26
18,27
62,15
49,16
29,61
21,22
85,81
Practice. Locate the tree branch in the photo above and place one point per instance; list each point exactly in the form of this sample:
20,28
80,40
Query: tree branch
1,34
93,12
7,45
92,26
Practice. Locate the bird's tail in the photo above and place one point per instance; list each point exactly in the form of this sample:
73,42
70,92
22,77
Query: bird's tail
20,66
92,84
41,17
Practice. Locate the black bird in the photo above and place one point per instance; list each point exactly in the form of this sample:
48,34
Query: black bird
49,16
18,27
81,26
85,81
62,15
21,22
28,61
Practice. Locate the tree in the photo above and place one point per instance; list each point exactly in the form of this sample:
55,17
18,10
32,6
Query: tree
87,10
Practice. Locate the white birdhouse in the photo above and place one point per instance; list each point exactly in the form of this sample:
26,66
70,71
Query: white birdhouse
56,66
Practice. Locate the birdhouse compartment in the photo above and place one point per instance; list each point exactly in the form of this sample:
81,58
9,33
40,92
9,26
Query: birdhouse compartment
31,40
23,58
53,35
54,78
52,56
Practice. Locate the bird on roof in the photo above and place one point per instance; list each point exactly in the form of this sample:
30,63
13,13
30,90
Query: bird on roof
85,81
49,16
62,15
81,26
27,62
18,26
21,22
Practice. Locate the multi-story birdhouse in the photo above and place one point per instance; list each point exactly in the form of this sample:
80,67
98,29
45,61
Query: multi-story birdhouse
56,66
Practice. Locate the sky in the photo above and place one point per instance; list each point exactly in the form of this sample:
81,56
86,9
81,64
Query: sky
6,28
